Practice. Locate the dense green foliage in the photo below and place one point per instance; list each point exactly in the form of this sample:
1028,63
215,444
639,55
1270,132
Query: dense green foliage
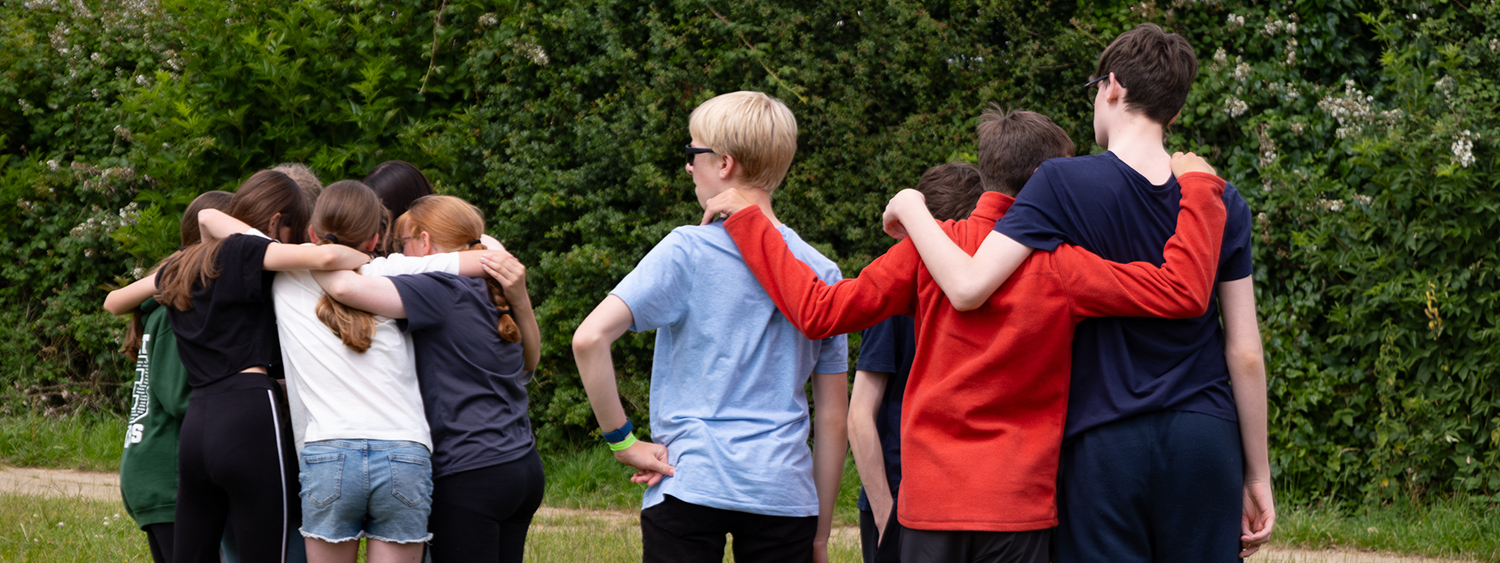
1360,132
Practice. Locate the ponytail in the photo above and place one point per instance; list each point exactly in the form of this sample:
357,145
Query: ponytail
347,213
507,328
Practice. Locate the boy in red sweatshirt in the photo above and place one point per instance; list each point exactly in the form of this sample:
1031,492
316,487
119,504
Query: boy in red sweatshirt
983,415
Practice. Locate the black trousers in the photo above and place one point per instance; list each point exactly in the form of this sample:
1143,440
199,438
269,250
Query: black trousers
483,514
236,467
677,531
976,547
873,547
159,537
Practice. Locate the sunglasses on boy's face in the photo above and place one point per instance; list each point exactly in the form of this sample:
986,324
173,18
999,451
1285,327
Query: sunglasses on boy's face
693,152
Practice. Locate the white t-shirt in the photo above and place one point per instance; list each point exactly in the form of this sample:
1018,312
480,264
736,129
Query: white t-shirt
337,393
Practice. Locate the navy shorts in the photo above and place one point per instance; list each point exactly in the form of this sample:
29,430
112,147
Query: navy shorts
1159,487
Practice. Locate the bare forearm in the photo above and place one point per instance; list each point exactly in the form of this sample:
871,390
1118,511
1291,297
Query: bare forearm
1247,377
126,299
597,369
531,332
831,441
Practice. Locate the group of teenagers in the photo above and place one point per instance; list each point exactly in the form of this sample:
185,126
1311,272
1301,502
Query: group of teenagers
346,362
1060,360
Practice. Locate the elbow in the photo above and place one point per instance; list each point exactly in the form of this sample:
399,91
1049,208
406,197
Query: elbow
113,305
585,339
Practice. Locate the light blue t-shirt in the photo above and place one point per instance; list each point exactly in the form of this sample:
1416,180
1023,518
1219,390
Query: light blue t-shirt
728,374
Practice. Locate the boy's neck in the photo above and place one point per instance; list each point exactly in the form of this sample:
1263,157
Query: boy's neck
761,199
1137,142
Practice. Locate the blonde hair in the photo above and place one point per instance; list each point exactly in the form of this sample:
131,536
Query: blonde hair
304,177
757,130
452,224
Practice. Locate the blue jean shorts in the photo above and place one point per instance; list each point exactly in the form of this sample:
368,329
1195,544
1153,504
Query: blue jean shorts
365,488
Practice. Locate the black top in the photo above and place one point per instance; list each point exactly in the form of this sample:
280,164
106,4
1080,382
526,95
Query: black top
889,347
473,383
232,326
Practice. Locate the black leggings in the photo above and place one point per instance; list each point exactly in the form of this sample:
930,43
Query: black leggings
159,537
483,514
236,466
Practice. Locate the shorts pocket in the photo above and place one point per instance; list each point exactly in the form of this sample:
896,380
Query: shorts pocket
322,478
411,479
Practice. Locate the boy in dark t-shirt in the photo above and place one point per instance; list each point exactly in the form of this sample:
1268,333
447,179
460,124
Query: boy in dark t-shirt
885,357
1191,391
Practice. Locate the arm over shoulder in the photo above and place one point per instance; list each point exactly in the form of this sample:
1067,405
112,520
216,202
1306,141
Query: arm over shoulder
1180,288
886,287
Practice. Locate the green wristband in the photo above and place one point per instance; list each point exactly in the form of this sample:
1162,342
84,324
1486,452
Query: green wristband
623,444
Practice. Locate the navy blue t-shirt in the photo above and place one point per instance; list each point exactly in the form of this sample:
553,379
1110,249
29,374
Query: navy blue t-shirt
473,383
1124,367
889,347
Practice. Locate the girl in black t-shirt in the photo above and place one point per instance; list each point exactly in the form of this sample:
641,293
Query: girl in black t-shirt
237,467
477,345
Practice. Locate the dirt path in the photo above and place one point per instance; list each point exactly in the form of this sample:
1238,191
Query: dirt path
106,487
60,483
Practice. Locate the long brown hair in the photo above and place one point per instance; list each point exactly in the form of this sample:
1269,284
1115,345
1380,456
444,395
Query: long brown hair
452,224
189,234
266,196
347,213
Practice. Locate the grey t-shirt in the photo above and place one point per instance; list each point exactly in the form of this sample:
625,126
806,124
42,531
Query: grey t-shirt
473,382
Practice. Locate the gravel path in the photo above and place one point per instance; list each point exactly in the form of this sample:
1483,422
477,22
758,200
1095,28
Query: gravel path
106,487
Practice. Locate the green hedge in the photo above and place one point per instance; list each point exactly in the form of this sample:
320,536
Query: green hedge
1360,132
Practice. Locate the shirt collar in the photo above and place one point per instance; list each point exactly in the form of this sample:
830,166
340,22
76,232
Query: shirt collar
992,205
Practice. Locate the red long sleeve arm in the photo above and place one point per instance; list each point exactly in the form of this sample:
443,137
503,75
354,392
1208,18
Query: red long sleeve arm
1180,288
886,287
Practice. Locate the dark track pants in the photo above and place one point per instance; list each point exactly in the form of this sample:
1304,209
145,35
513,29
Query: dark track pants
676,531
482,515
236,467
1159,487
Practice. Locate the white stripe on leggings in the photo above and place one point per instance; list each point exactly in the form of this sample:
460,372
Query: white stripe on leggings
281,469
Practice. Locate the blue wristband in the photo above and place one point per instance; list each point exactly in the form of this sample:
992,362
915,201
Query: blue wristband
620,433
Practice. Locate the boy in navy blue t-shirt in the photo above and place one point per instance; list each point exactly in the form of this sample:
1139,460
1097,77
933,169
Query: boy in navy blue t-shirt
885,358
1164,457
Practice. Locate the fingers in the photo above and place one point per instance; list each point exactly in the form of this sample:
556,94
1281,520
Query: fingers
708,216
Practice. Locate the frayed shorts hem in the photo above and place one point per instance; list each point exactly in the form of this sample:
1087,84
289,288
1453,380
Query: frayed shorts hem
362,534
320,537
423,539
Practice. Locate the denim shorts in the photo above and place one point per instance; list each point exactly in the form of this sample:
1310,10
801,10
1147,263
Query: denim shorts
365,488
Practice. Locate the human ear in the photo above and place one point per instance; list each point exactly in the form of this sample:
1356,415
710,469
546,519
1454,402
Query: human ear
311,235
370,245
271,226
726,167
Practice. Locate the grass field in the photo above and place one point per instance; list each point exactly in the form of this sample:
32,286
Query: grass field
596,511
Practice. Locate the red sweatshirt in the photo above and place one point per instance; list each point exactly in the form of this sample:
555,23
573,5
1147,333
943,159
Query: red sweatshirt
982,419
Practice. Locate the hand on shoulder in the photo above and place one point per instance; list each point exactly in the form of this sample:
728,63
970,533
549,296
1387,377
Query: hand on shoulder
898,207
1182,163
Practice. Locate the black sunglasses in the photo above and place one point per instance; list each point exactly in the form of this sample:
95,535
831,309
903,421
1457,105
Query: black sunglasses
1095,81
693,151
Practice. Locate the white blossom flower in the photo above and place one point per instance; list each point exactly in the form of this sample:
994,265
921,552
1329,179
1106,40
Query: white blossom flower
52,165
1235,107
1446,85
1242,71
488,20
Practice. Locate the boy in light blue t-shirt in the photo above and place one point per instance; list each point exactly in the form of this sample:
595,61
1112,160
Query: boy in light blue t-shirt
729,417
